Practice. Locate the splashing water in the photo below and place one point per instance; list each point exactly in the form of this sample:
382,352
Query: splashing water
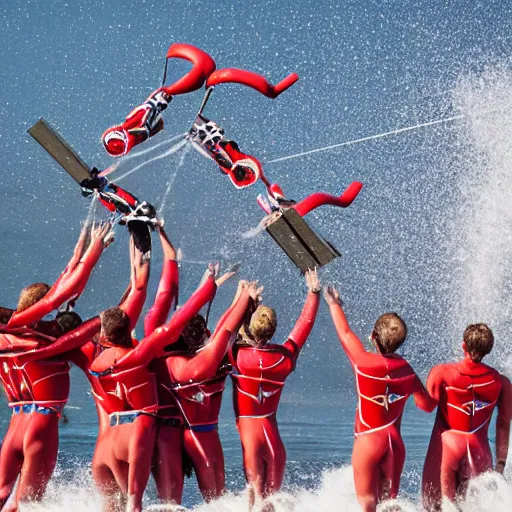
480,242
487,493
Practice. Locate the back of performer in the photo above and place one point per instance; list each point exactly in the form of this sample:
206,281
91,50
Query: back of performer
384,382
259,372
467,393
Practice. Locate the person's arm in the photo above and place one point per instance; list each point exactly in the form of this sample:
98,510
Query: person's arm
206,363
153,346
72,282
349,341
304,325
69,341
422,397
503,424
168,288
133,302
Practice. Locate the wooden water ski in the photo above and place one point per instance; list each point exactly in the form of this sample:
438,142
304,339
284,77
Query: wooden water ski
300,243
60,150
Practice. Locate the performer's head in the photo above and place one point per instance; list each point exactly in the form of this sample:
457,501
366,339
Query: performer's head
195,333
478,341
262,325
115,141
389,332
68,321
31,294
115,328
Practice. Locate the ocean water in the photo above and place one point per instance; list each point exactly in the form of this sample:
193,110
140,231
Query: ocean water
429,237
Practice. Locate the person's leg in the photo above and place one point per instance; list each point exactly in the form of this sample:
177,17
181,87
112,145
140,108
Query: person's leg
205,452
275,460
167,464
107,485
393,465
11,459
141,444
431,479
367,455
40,448
454,452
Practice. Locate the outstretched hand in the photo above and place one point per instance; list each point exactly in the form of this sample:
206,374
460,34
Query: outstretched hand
103,232
255,292
233,270
312,281
332,296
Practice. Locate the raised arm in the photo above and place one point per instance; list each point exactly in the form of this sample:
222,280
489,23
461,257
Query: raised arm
168,288
154,345
304,324
133,302
69,341
349,341
503,424
206,363
72,281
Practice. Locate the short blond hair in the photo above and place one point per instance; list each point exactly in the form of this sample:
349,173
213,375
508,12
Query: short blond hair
263,323
32,294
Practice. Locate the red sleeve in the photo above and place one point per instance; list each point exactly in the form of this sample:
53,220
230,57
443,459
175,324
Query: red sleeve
503,423
206,363
349,341
153,346
435,381
166,297
70,341
69,286
304,324
422,398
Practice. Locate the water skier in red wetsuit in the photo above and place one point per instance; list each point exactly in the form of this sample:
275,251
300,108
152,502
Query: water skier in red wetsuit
467,393
198,376
259,373
384,382
38,390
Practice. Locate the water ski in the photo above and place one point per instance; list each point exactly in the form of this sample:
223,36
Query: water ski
300,243
60,151
113,197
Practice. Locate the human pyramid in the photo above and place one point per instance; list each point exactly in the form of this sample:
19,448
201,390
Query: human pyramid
158,399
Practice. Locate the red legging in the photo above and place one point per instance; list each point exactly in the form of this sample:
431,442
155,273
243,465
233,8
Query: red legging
320,199
30,450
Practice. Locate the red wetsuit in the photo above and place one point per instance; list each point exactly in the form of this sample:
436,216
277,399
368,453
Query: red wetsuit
383,384
37,391
467,394
198,382
129,395
167,464
77,347
258,377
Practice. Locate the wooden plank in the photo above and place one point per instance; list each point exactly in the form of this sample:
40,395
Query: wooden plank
60,150
300,243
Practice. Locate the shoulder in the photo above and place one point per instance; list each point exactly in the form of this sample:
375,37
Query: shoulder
440,371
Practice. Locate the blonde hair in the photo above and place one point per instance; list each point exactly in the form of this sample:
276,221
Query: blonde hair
32,294
263,323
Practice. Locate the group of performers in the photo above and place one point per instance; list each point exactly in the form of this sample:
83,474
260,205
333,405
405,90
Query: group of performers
158,399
